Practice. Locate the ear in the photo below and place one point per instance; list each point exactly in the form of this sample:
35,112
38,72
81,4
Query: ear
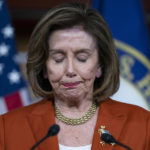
98,72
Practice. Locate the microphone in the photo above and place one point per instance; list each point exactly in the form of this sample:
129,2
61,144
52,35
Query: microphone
53,130
108,138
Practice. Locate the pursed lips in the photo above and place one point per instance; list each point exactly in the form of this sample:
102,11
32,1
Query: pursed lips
71,84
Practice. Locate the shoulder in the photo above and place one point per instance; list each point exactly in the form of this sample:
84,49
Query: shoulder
20,113
116,108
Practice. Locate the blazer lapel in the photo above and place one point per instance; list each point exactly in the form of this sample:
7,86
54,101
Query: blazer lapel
113,122
40,119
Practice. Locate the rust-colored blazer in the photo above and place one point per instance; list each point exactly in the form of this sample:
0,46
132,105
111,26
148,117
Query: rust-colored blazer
22,128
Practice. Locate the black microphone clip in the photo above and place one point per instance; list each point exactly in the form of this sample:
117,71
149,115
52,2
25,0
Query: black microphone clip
106,137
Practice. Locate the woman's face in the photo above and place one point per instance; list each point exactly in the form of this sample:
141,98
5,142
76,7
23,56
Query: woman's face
73,63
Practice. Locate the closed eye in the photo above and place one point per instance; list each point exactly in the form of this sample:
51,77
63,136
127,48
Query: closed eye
82,57
57,56
59,60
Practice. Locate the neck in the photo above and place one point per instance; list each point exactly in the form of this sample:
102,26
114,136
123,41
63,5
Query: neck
74,108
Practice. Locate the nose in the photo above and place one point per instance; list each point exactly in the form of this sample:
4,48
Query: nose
70,69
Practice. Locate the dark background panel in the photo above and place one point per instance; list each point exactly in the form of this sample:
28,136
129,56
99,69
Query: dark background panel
26,13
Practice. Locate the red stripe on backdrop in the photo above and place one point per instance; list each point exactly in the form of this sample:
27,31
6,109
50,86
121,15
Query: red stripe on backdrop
13,101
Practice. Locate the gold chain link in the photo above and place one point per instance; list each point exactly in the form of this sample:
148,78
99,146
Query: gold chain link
78,121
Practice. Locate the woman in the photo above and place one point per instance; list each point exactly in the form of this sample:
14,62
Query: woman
72,63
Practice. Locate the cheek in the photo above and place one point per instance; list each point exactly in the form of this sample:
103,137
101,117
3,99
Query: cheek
54,73
87,72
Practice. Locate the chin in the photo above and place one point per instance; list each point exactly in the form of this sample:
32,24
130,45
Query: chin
73,96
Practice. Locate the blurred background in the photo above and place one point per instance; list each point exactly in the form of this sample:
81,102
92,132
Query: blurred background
24,15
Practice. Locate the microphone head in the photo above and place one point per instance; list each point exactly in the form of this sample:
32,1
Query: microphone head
108,138
53,130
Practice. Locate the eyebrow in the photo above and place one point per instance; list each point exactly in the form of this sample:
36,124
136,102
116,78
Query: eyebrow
55,51
85,50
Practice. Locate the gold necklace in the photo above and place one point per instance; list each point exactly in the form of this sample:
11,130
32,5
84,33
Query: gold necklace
78,121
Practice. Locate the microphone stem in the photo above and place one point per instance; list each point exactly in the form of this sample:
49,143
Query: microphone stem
34,146
128,148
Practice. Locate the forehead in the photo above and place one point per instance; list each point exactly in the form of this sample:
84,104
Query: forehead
74,37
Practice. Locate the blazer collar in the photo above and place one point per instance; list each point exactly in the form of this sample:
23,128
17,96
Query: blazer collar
42,117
